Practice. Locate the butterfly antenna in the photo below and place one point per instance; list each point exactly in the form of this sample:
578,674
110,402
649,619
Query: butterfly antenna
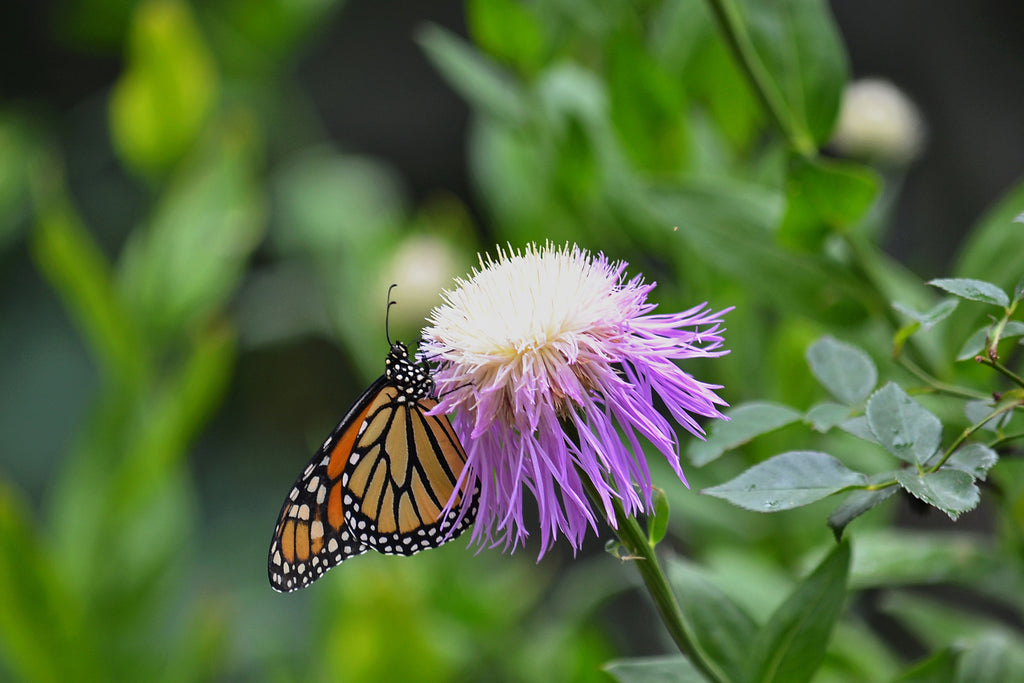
387,314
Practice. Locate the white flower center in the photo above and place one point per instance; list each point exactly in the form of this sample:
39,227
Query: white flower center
527,324
526,302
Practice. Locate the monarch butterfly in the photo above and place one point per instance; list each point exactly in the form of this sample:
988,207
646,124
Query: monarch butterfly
381,480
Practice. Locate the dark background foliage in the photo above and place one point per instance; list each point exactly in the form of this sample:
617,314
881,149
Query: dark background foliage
307,101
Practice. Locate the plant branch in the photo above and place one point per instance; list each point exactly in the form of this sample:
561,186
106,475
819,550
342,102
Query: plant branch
642,554
999,367
635,540
966,433
938,385
735,33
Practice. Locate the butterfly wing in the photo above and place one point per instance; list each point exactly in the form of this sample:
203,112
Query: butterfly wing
403,470
312,535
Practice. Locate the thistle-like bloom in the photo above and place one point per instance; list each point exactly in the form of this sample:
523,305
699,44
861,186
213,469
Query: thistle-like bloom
552,360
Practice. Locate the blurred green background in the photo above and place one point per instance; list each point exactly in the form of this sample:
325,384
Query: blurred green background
202,205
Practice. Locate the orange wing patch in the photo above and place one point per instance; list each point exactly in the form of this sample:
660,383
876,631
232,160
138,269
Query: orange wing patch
342,450
381,480
335,512
403,472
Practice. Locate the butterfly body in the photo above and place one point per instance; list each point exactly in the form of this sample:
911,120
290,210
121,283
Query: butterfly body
381,481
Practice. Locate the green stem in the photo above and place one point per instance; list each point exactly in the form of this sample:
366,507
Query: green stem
1000,326
635,541
735,33
938,385
641,552
999,367
964,435
1003,440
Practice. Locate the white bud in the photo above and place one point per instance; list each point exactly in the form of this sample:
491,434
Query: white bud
421,266
878,122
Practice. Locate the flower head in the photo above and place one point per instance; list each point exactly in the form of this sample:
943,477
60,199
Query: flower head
552,360
878,122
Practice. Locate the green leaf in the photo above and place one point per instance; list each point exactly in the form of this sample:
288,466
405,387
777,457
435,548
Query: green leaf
186,401
951,490
791,646
677,33
745,422
787,481
936,623
859,427
976,411
188,261
77,268
712,78
684,38
802,48
887,558
616,549
904,333
992,249
481,82
938,668
657,524
729,224
856,653
574,104
859,502
932,316
845,370
823,194
722,628
1013,328
974,345
646,102
667,669
509,31
975,459
973,290
159,105
39,617
903,426
511,171
827,415
995,658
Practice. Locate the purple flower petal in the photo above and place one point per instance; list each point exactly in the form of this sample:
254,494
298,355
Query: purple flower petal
552,361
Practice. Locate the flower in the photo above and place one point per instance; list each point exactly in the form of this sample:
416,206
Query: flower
877,121
552,360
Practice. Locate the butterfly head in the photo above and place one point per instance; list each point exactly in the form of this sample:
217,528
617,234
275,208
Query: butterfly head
412,379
